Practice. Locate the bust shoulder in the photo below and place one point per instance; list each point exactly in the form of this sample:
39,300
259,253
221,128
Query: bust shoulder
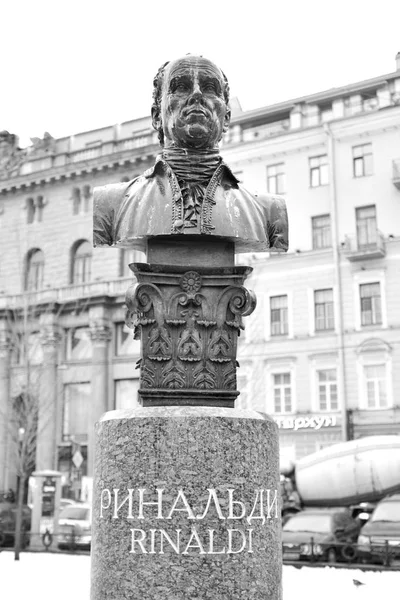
109,195
106,201
276,216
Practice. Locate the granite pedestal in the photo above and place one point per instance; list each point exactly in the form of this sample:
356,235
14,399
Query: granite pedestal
186,505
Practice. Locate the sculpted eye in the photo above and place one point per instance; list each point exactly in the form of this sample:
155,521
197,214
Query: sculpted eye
210,87
181,87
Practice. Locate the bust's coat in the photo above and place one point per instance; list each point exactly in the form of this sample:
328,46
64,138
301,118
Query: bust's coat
127,214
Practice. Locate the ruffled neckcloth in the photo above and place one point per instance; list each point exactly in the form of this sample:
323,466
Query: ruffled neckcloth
193,170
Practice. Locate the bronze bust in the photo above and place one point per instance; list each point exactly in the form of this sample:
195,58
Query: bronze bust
189,190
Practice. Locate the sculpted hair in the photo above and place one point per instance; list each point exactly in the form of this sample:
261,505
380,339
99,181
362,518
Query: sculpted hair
157,91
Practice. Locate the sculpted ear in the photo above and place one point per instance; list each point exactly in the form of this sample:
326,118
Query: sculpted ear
156,117
227,119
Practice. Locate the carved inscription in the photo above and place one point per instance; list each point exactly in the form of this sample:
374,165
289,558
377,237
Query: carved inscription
136,505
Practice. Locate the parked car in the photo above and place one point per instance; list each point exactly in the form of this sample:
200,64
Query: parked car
8,517
379,539
325,534
74,526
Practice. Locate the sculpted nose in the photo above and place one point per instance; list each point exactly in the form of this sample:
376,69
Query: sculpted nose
196,94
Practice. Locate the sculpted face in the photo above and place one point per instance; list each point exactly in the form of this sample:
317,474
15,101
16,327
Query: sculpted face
194,113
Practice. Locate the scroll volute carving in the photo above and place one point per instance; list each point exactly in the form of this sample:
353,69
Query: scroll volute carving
188,323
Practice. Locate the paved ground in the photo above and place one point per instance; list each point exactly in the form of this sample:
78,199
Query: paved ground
67,577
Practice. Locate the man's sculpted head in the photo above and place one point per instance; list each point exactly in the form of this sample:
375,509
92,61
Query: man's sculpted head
190,109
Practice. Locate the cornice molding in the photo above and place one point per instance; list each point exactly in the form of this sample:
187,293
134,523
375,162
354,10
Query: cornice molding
78,169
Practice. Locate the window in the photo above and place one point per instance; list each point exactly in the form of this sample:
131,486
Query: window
81,200
30,210
375,382
326,114
371,308
34,270
76,412
39,208
76,201
243,375
17,349
35,349
87,196
79,345
282,392
319,174
323,305
34,208
82,259
125,345
276,183
128,256
327,390
126,393
362,160
366,226
279,315
321,232
26,342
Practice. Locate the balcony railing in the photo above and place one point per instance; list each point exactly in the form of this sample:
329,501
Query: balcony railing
115,287
375,248
139,141
86,154
396,173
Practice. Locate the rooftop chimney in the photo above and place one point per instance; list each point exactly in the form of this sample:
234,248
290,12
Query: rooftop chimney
398,61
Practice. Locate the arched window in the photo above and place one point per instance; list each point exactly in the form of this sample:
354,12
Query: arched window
81,262
34,270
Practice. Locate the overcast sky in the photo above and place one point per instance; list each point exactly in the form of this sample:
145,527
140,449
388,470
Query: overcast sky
73,66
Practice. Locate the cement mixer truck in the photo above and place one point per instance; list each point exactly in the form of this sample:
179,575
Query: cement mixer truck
354,474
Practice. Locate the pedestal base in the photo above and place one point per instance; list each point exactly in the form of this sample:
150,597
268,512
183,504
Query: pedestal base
186,505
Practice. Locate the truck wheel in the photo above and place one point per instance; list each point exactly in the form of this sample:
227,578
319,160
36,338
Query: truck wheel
349,552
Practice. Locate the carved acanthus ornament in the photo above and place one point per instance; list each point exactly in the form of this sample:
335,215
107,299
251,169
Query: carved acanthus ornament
50,337
99,333
188,323
5,344
11,156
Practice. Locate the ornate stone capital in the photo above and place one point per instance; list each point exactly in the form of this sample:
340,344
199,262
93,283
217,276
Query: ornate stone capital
189,322
50,338
100,333
5,343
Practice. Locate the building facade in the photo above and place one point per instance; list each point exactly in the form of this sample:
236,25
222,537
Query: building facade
321,353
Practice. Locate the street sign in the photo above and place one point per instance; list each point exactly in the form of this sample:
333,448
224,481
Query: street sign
77,459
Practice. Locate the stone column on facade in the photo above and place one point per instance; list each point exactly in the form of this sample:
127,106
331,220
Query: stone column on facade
100,335
46,447
4,401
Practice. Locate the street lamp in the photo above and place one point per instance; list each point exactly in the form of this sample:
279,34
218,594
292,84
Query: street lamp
21,433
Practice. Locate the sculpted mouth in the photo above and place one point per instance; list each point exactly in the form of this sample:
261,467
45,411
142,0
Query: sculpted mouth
196,111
